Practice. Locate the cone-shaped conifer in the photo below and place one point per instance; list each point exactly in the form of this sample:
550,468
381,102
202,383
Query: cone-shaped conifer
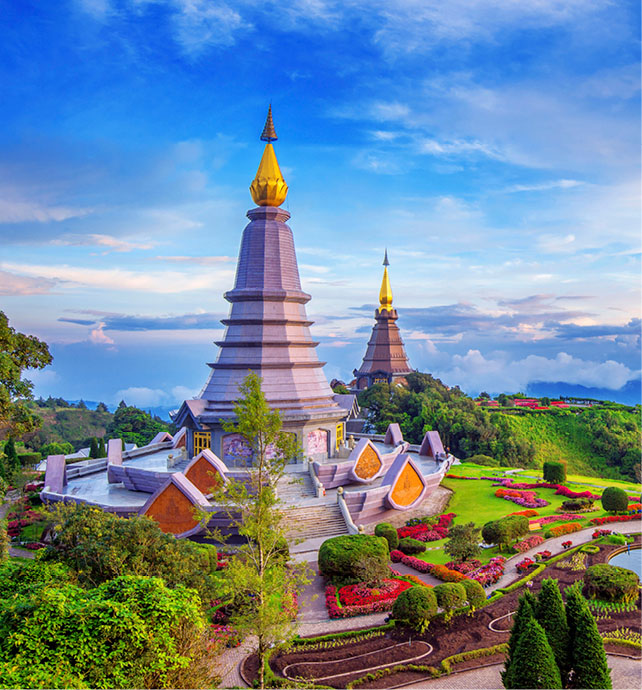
533,664
551,615
588,658
525,612
93,448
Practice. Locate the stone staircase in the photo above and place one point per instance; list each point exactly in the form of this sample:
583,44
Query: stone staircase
294,487
314,521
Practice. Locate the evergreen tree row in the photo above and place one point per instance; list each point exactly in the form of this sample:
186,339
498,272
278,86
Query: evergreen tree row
555,646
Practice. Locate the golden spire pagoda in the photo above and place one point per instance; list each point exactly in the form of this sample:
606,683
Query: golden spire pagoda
268,187
385,294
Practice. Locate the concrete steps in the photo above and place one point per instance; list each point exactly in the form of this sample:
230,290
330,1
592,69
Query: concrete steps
294,487
314,522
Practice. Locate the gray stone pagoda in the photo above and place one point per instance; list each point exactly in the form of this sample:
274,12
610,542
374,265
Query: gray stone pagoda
267,332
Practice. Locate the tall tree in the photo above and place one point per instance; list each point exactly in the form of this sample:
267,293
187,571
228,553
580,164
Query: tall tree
588,658
102,450
463,542
258,577
525,612
533,664
93,448
17,353
551,615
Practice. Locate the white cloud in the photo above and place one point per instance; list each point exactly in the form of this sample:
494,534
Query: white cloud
554,184
13,285
22,211
97,336
200,24
116,244
142,396
473,372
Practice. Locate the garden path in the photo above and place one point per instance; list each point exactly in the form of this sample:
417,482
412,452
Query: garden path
626,674
554,545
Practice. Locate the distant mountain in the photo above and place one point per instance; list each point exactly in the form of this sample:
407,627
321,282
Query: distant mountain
630,394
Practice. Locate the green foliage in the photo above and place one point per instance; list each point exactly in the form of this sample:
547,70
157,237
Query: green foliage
450,596
22,576
427,404
100,546
463,542
554,472
485,460
93,448
354,558
525,613
614,499
134,426
389,533
4,542
474,593
611,583
533,663
411,546
505,530
17,353
340,388
551,615
415,607
588,659
129,632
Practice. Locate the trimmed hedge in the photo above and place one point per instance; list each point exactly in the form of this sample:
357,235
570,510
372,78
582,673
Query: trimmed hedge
615,500
415,607
611,583
450,596
389,533
410,546
352,558
554,472
474,593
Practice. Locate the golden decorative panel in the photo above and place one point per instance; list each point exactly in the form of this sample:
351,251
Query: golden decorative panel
173,511
408,486
368,463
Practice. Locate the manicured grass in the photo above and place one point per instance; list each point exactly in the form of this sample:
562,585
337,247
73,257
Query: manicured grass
33,532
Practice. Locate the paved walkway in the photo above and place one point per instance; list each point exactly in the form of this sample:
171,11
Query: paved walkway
626,674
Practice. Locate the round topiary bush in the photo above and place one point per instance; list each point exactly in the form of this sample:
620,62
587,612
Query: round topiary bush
554,472
389,533
611,583
354,558
410,546
415,607
614,499
450,596
474,593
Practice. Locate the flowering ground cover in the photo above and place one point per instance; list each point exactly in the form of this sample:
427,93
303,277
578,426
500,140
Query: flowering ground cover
422,532
528,499
360,599
528,543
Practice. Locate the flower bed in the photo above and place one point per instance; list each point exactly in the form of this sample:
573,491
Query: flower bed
359,599
601,533
490,573
528,499
525,565
615,518
560,489
424,532
556,518
526,513
528,543
441,572
543,555
225,634
566,528
567,544
464,567
410,561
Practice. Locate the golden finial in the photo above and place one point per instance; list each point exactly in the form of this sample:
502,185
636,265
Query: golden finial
385,294
268,187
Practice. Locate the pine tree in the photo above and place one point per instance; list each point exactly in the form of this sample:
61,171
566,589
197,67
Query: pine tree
12,460
93,448
102,451
551,615
525,613
533,664
588,658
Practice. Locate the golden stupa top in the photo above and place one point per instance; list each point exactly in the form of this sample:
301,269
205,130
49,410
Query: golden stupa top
385,294
268,187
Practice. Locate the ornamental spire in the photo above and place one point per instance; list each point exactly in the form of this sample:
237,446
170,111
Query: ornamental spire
385,294
268,187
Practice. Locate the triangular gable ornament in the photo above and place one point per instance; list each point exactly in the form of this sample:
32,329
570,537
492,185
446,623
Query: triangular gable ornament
367,462
206,471
431,444
408,486
394,437
175,505
180,439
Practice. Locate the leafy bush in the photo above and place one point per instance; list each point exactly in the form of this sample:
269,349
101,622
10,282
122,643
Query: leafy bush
450,596
474,593
505,530
410,546
554,472
389,533
354,558
616,539
614,499
415,607
611,583
577,504
482,460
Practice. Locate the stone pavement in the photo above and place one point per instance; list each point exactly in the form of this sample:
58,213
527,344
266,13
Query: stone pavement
626,674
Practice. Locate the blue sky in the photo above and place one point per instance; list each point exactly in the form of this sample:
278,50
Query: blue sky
493,147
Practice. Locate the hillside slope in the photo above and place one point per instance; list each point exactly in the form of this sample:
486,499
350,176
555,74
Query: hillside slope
77,426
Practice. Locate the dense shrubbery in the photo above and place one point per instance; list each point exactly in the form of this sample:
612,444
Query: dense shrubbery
611,583
554,472
615,500
505,530
415,607
474,593
354,558
410,546
450,596
389,533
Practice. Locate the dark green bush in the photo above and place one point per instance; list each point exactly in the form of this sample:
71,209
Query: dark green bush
611,583
474,593
389,533
505,530
485,460
554,472
415,607
354,558
450,596
577,504
614,499
410,546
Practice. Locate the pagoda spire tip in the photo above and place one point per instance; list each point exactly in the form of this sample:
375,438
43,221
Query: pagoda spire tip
269,133
385,258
